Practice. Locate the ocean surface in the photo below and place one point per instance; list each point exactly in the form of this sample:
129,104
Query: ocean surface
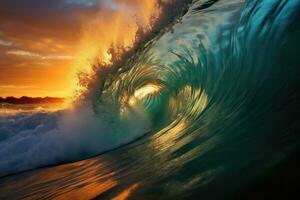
208,107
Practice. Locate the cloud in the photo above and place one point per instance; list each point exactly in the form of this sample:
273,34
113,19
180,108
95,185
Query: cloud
39,56
34,19
23,53
82,2
5,43
15,87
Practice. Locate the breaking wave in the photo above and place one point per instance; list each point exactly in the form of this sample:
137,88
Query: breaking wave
217,93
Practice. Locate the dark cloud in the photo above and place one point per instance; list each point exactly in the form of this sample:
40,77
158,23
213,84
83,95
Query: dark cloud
43,17
46,26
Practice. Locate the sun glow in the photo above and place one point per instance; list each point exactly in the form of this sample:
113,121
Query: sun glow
48,62
149,89
114,26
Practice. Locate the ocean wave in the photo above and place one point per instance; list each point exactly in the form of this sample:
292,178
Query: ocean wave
34,140
218,93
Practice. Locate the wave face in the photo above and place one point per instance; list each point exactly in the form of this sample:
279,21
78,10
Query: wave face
218,96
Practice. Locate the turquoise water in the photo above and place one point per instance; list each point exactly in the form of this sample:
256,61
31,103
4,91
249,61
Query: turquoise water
205,109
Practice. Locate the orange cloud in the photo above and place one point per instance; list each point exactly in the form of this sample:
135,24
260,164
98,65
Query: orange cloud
39,56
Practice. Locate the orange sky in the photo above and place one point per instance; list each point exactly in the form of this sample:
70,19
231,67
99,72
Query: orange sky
44,43
37,46
29,72
35,72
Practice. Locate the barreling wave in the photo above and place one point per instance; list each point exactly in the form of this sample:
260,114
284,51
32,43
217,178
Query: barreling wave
39,138
218,94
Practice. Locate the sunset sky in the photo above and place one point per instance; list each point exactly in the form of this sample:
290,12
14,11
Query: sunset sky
43,43
38,41
37,45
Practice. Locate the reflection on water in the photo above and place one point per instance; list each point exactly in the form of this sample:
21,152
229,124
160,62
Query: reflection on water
116,175
126,193
81,180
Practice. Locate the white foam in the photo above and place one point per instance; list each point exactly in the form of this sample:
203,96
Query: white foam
43,139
